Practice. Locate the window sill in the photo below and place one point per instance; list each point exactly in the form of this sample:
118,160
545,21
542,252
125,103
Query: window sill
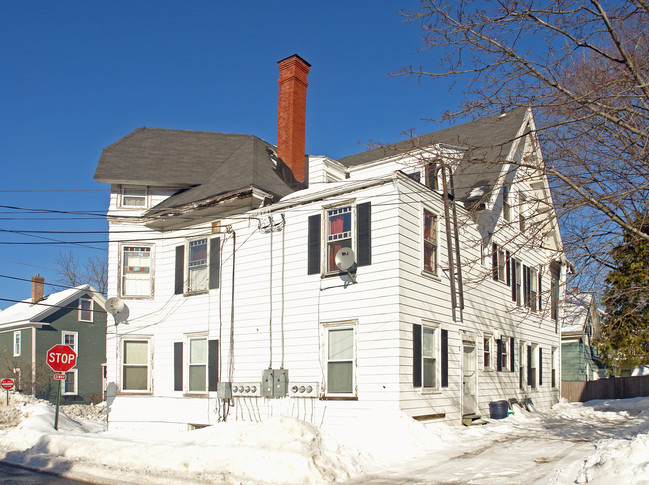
202,394
429,392
194,293
134,393
339,398
432,276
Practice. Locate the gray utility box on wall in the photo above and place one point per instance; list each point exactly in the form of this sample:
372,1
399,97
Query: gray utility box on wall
274,383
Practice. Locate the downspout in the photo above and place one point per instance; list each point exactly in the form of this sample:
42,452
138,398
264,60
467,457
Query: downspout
457,248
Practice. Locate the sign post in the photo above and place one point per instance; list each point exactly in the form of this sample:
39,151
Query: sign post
60,358
7,384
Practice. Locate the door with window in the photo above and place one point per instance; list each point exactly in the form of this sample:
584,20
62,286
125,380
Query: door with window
469,378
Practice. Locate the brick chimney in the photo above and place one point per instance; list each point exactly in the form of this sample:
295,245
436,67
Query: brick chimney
38,283
291,114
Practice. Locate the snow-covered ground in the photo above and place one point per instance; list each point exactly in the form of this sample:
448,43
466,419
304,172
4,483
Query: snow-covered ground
599,442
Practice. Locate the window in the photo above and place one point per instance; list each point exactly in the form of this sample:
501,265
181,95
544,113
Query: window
507,208
429,360
487,346
85,309
17,348
340,360
498,263
521,366
70,383
197,266
432,174
201,271
522,207
416,176
338,233
518,281
554,295
136,271
17,380
430,242
135,366
344,226
197,371
70,339
553,375
429,357
504,354
135,197
532,365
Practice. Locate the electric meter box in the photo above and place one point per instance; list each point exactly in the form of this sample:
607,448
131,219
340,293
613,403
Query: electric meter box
224,390
274,383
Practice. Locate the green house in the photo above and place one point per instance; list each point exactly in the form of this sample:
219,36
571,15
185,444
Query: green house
28,329
579,330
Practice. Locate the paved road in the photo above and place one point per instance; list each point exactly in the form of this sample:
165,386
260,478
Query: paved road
21,476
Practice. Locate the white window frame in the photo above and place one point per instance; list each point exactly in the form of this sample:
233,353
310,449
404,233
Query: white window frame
148,365
488,341
535,366
189,364
194,266
17,343
554,356
348,207
17,379
507,206
75,336
522,211
89,310
333,327
427,242
144,197
522,365
75,391
504,354
433,330
132,248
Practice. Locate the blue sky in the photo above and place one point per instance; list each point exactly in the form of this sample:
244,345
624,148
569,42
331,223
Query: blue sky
77,76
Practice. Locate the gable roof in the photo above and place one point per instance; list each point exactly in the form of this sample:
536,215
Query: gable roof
486,142
202,164
26,313
576,309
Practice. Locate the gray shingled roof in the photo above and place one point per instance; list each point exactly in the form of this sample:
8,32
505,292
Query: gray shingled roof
487,142
205,164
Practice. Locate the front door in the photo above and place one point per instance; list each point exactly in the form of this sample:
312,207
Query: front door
469,383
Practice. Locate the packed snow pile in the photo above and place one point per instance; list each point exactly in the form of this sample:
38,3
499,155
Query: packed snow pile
593,443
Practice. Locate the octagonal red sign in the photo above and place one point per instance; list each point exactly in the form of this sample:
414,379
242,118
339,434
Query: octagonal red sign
7,384
61,358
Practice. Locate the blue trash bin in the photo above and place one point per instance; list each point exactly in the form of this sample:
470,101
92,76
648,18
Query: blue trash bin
498,409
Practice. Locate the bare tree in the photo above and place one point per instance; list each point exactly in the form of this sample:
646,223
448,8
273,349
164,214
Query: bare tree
71,272
583,68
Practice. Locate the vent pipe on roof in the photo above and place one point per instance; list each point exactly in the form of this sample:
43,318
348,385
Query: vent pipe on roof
291,113
38,285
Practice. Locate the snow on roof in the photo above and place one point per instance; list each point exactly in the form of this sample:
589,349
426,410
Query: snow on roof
26,312
576,311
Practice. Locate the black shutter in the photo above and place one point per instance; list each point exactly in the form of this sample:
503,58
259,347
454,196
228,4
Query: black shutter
494,261
512,359
215,262
364,234
540,290
514,282
540,366
180,270
499,354
508,261
529,366
178,366
212,365
444,358
313,244
526,286
416,355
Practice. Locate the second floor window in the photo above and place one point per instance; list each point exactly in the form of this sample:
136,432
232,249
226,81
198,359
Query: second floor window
339,234
70,339
197,265
136,271
200,270
17,348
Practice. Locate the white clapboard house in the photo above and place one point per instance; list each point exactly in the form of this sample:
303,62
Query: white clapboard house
422,276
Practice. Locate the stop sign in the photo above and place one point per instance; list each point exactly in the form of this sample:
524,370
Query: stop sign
61,358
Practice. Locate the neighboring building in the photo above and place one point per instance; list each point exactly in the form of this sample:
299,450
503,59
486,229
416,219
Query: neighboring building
74,317
224,249
580,328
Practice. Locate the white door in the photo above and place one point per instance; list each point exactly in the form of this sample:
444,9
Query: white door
469,383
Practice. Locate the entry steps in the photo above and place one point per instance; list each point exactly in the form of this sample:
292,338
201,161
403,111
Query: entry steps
472,420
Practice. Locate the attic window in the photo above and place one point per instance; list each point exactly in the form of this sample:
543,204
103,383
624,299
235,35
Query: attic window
135,197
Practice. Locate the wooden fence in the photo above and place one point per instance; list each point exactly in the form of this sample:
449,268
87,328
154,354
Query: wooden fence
611,388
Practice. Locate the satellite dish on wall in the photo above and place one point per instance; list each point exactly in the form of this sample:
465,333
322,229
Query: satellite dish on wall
346,262
118,309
